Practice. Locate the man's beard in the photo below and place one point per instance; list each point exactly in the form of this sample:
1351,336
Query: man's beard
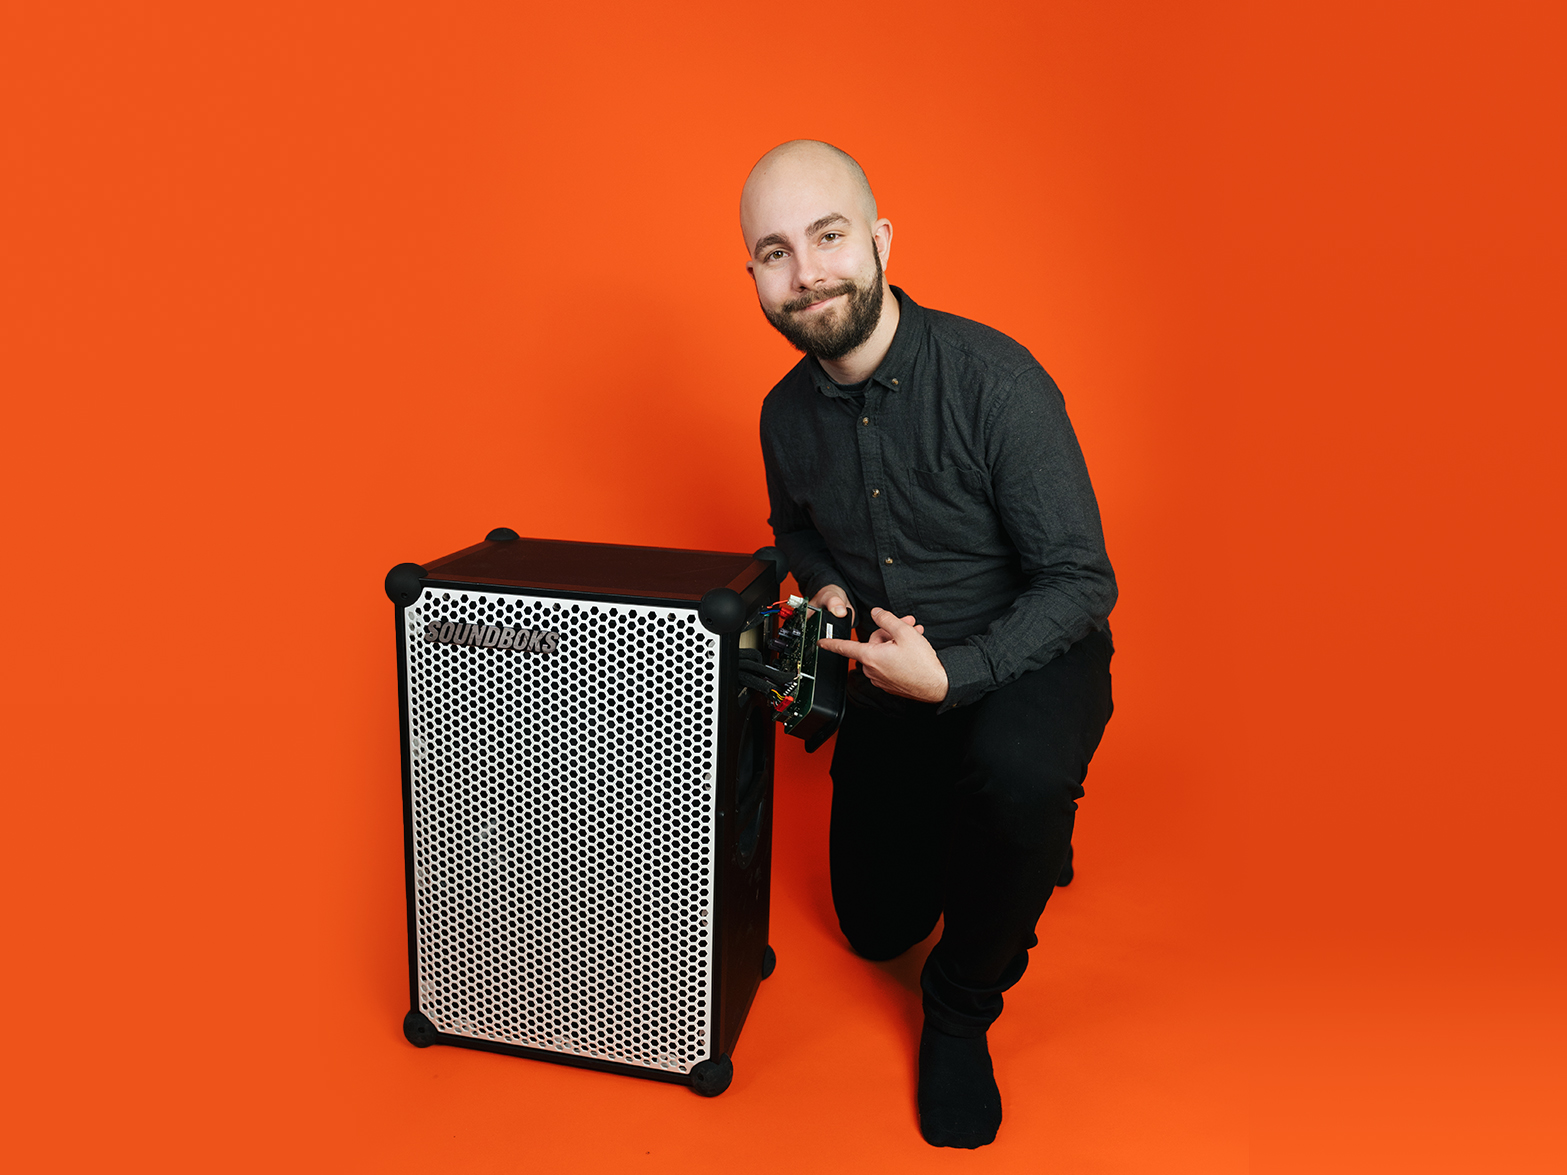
832,338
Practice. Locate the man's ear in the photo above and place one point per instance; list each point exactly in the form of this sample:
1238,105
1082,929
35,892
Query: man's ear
750,270
882,234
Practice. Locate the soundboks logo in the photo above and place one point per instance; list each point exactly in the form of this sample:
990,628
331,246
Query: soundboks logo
488,636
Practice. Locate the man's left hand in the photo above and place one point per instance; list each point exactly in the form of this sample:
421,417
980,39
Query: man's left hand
897,658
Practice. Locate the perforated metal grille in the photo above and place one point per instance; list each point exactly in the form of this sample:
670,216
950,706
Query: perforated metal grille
563,826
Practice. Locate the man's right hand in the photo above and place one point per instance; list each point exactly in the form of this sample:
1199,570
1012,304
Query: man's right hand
833,598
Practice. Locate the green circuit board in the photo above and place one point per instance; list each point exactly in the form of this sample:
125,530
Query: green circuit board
799,660
795,652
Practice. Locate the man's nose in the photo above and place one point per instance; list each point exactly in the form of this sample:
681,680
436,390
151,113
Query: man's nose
808,272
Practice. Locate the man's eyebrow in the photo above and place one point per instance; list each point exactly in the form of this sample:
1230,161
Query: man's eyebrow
811,230
767,243
831,218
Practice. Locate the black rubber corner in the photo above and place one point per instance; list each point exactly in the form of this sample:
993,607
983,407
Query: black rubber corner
502,534
711,1078
403,583
722,611
774,556
769,961
418,1029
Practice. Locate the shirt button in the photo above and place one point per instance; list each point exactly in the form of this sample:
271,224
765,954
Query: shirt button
894,383
875,493
865,420
889,560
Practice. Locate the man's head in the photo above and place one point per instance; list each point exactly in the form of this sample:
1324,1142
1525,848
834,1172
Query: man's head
817,247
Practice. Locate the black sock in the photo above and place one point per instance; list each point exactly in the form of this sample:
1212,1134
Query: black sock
959,1102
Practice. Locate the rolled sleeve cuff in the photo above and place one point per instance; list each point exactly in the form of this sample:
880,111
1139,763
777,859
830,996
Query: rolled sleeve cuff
968,677
815,582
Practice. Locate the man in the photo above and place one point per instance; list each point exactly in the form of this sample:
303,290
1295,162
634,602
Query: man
922,471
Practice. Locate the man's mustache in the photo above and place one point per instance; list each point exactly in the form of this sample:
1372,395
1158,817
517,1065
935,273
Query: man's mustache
794,305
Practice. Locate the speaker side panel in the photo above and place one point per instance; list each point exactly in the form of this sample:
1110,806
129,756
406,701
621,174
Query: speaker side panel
744,865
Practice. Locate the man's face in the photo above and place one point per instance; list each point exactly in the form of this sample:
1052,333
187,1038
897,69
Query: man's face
832,320
816,258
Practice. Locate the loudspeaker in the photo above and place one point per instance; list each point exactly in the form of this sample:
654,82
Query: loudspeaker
587,803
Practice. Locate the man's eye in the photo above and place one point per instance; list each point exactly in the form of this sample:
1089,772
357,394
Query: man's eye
831,236
775,255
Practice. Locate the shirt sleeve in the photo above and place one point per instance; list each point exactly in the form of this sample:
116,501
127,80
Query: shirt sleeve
793,531
1046,503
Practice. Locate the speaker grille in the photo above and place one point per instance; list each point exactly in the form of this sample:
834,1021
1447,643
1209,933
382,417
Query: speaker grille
563,827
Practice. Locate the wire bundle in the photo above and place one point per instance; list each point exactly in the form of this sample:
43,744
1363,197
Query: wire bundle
779,608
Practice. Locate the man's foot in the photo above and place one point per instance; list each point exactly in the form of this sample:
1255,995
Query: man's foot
959,1103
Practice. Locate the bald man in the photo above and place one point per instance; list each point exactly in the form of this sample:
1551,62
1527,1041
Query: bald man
922,471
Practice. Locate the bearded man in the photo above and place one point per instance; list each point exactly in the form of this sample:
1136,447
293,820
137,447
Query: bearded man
922,471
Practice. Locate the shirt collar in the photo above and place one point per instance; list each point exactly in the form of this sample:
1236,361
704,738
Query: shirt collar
893,374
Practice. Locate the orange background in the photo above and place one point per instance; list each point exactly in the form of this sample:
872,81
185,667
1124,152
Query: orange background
293,293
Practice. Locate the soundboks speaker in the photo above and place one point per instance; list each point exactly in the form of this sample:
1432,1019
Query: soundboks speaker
587,803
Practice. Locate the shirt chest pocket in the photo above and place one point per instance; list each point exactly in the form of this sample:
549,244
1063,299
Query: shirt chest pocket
952,510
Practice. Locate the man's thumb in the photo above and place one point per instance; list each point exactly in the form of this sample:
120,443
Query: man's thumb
889,622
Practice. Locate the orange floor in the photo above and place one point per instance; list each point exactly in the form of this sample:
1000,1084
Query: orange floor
1117,1052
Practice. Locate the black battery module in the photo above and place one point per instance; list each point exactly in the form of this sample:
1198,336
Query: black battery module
810,701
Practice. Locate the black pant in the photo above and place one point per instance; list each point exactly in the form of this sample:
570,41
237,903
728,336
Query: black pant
967,814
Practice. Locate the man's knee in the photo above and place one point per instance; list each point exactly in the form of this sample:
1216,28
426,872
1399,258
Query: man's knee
883,939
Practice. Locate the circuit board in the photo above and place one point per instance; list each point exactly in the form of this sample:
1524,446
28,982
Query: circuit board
794,651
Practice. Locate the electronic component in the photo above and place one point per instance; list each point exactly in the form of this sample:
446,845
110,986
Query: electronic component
809,700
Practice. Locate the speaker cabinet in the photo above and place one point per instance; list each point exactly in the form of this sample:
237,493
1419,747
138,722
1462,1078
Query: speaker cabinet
587,803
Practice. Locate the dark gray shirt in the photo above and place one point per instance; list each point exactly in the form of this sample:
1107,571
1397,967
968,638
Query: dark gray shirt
956,492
